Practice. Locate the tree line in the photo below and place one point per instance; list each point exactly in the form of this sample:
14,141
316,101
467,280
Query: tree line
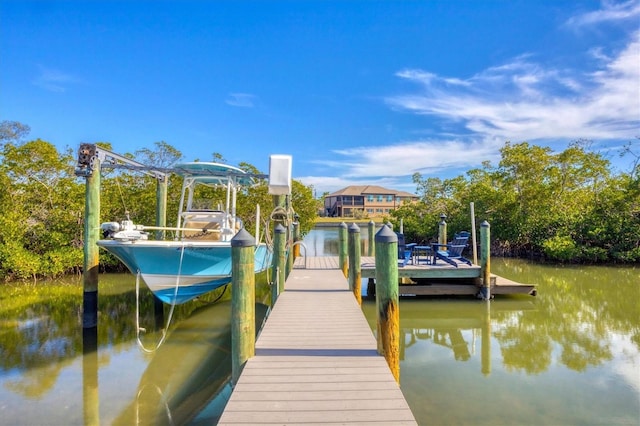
42,202
567,206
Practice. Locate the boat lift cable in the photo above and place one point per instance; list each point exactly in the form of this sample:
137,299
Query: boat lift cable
165,329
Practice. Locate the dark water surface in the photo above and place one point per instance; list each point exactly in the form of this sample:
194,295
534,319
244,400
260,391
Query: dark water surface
570,356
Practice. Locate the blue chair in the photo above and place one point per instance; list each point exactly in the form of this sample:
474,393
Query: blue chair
453,252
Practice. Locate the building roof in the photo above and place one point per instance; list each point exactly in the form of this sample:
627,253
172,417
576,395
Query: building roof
370,189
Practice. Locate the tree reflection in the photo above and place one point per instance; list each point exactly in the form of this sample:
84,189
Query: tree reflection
570,322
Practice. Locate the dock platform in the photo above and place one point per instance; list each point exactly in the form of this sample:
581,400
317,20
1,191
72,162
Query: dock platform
441,279
316,360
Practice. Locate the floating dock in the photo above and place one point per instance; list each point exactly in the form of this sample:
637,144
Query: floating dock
316,360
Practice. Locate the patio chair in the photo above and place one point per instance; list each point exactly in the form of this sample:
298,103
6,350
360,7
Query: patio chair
453,254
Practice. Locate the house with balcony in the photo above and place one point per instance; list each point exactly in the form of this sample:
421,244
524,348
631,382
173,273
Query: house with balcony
365,201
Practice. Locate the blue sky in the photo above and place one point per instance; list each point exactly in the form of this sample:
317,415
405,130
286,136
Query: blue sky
358,92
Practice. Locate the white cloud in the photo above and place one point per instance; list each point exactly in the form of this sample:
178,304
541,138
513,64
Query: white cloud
53,80
523,100
610,12
242,100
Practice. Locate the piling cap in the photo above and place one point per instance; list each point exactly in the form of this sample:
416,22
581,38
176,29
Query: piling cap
343,225
243,239
280,229
353,228
485,224
386,235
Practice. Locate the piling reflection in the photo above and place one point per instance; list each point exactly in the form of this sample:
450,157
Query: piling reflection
90,394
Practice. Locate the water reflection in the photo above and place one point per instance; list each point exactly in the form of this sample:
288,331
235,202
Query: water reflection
89,376
189,370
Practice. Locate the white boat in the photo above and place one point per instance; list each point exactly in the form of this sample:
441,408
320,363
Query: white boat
198,260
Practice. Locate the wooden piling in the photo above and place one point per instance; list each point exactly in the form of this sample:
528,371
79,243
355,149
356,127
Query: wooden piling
161,222
387,298
372,244
485,260
342,248
278,271
243,302
442,229
296,238
355,273
91,237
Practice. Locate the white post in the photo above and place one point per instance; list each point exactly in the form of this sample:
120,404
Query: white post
257,224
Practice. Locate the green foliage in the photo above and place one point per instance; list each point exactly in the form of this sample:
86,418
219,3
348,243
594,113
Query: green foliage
42,203
561,248
563,206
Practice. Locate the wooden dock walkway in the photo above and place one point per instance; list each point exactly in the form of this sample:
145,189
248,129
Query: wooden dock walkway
316,360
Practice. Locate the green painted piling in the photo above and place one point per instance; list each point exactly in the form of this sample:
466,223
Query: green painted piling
387,298
442,229
342,248
372,244
91,237
161,205
485,260
243,302
355,273
278,273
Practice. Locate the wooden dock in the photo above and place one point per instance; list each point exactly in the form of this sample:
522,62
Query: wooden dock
441,279
316,360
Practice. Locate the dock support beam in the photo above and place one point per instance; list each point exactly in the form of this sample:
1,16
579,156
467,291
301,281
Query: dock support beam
278,272
342,247
243,302
387,298
485,260
372,235
355,274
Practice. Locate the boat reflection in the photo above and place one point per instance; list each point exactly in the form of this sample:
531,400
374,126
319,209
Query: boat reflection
189,374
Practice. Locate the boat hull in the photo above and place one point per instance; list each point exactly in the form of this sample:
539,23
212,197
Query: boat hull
177,272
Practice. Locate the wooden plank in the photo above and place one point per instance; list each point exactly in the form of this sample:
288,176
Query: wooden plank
316,360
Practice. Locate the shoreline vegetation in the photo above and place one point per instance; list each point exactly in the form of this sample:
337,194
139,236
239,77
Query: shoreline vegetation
566,207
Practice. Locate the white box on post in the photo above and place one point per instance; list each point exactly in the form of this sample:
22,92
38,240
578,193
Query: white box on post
280,174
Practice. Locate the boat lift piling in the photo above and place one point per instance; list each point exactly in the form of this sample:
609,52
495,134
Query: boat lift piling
243,302
280,190
278,272
91,160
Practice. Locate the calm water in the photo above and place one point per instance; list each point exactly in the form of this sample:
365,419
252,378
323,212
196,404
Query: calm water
570,356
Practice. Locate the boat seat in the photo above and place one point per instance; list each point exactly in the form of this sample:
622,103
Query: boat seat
210,231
